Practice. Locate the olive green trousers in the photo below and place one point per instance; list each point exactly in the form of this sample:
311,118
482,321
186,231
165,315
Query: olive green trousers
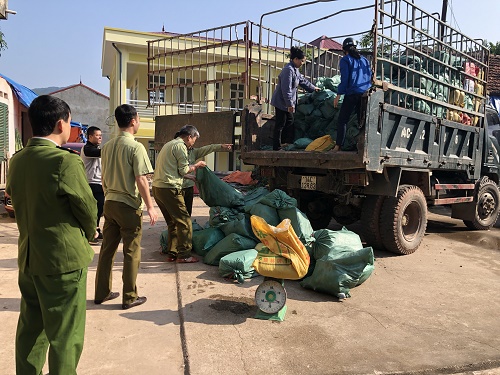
180,229
52,317
121,222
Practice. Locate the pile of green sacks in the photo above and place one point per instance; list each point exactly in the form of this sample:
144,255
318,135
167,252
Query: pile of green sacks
315,116
424,76
338,260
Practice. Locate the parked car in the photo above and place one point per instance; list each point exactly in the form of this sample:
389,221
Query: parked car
76,147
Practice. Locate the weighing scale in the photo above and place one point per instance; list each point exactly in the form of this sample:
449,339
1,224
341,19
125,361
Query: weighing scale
270,298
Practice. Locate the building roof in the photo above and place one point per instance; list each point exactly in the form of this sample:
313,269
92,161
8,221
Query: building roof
24,94
326,43
82,85
494,76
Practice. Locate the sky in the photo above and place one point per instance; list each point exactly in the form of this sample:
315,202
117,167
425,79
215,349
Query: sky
59,42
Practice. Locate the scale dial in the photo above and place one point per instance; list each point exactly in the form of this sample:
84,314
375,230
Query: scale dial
270,296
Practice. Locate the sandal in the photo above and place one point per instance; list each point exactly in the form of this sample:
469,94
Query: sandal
187,260
171,258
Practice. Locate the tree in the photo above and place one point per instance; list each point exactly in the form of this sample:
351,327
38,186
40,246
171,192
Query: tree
3,43
495,48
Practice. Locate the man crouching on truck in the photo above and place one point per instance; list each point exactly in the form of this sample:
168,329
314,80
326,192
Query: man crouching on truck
355,80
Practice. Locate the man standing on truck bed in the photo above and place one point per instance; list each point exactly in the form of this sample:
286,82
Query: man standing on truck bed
355,80
285,97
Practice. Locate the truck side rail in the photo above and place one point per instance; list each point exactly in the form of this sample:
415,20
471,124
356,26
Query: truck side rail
428,66
223,68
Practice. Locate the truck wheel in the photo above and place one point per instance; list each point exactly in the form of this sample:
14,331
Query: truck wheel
370,220
487,206
403,220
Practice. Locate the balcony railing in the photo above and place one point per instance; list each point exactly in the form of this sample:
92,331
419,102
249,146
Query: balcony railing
142,109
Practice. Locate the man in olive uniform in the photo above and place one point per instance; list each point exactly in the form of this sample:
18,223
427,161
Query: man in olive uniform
125,164
172,164
55,213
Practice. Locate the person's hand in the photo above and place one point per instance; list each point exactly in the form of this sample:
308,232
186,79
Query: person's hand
336,101
227,146
190,177
153,215
317,89
291,109
200,164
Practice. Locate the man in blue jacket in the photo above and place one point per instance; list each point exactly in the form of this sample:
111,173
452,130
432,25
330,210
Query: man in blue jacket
284,97
355,80
55,214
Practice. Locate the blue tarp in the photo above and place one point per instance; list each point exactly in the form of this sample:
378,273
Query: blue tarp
24,94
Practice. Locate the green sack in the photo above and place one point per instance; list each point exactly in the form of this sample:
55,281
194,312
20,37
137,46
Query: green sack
238,265
221,215
300,224
269,214
240,226
338,272
302,143
255,195
327,109
305,109
230,244
279,200
164,241
319,97
204,240
215,192
329,241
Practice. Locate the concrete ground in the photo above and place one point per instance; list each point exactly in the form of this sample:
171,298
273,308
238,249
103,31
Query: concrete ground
436,311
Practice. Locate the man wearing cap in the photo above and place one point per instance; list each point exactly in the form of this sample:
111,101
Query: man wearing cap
355,79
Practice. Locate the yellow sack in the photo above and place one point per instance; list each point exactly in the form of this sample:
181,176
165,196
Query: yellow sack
282,241
323,143
270,264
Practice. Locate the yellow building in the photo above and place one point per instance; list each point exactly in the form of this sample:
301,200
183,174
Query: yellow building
213,70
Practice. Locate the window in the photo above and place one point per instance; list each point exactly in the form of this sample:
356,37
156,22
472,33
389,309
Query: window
185,92
152,153
158,95
237,95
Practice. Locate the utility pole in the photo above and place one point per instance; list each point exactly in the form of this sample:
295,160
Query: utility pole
444,10
443,19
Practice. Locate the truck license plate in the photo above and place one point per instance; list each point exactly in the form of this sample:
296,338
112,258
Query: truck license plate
308,182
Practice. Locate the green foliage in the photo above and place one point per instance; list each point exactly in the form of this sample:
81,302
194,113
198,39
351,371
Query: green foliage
495,48
3,43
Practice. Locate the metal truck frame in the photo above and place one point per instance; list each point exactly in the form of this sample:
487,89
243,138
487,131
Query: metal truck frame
415,148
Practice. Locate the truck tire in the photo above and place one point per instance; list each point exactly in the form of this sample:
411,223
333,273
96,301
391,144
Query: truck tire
370,220
487,206
403,220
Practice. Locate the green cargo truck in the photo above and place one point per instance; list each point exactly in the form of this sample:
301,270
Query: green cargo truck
427,137
417,146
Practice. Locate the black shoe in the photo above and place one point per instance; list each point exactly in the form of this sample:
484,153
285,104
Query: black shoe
137,302
109,297
94,241
99,234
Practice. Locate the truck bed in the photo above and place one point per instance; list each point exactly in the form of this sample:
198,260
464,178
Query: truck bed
390,137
